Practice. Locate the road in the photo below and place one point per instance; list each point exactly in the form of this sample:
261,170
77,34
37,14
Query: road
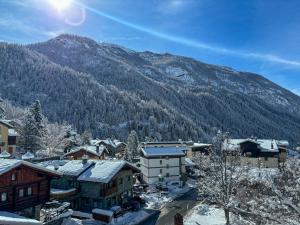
182,205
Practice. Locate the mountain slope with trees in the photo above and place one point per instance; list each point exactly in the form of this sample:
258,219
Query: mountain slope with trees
110,90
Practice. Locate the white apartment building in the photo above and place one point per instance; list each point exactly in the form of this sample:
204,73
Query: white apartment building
165,162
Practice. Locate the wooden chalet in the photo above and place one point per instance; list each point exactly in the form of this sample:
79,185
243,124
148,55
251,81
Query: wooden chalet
24,187
92,152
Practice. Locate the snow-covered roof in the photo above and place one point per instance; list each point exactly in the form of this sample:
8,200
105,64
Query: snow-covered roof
89,148
8,164
4,154
104,170
12,132
7,123
56,191
189,162
283,143
74,167
114,143
52,164
7,218
103,212
163,151
200,145
265,145
28,155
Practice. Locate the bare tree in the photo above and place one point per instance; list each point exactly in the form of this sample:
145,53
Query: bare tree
55,137
221,171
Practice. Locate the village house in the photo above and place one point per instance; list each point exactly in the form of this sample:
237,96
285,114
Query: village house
8,137
24,187
90,184
258,152
162,163
93,152
113,146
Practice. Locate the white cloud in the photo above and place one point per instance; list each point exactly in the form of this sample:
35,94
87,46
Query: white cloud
296,91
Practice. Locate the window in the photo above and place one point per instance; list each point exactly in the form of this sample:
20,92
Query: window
128,178
29,191
121,181
160,171
167,157
167,166
13,177
160,162
167,175
4,197
21,193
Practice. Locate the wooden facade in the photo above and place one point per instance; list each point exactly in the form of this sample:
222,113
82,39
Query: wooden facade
82,152
23,187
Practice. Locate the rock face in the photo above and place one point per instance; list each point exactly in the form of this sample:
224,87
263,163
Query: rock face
109,90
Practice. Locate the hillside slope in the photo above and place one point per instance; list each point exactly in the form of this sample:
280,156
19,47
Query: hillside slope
111,89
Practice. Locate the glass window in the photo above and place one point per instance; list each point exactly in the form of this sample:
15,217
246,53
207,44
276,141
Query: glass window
3,197
21,193
121,181
13,177
160,171
29,191
160,162
128,178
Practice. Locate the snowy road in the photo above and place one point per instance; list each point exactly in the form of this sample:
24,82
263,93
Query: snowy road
181,205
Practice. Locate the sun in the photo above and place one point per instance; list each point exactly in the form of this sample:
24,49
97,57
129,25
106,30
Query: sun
60,4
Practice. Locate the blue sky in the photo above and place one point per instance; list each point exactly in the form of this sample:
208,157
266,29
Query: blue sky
260,36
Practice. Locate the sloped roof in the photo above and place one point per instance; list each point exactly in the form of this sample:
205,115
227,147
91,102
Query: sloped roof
74,167
4,154
7,123
265,145
104,170
9,164
163,151
89,148
28,155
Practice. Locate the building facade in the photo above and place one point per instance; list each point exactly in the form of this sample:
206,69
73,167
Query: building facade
8,137
24,187
257,152
95,183
162,163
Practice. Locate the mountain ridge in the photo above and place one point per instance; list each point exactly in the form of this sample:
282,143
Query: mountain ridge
199,98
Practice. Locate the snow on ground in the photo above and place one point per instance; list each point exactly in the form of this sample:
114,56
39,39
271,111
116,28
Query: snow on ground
131,218
205,215
157,200
7,218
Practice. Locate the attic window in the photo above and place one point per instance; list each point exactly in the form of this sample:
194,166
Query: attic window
13,177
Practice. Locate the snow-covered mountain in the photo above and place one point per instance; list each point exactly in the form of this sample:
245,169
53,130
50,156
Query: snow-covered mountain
161,95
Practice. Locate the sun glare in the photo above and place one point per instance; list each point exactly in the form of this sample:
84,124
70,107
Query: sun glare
60,4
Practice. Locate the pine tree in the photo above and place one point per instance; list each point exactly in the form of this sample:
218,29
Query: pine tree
132,146
29,138
36,111
1,109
